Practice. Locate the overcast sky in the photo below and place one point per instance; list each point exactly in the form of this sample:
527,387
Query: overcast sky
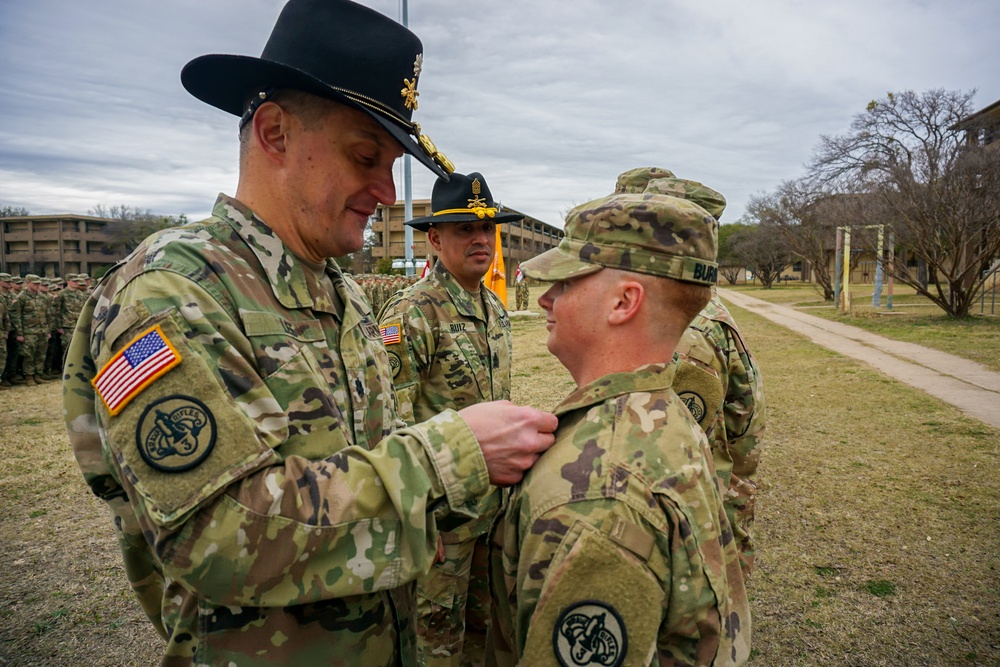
549,99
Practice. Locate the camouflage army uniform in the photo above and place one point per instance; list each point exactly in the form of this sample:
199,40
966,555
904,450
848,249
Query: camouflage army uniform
30,319
266,512
5,326
71,302
720,383
717,378
623,513
523,295
454,351
615,549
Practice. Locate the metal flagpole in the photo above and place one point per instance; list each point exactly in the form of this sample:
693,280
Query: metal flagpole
407,186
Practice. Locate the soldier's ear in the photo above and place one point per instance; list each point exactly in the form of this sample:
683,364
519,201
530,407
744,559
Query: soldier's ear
270,128
628,298
434,236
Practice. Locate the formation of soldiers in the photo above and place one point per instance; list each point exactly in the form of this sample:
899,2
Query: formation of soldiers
379,287
37,317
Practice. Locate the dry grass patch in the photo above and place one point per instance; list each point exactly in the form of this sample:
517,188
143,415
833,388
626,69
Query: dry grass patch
64,599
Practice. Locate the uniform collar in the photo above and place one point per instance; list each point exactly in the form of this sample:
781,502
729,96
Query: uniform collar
651,378
293,284
462,298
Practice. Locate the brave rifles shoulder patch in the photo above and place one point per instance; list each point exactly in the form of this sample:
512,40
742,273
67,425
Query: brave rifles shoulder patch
694,403
146,358
175,433
590,632
395,364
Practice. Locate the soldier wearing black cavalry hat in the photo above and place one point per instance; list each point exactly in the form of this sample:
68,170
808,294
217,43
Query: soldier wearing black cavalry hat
228,394
449,342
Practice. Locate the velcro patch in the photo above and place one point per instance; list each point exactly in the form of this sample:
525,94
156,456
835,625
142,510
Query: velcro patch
146,358
701,391
600,605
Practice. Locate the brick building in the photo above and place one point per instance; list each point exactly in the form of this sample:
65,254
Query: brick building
55,245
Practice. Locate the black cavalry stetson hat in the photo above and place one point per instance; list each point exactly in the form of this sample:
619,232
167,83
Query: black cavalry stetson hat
335,49
462,199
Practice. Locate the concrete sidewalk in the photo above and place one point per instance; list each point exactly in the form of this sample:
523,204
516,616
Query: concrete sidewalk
971,387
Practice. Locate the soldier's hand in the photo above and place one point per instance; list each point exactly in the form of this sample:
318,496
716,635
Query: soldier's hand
512,437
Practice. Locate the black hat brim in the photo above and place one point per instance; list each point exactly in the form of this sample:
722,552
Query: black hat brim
227,81
423,224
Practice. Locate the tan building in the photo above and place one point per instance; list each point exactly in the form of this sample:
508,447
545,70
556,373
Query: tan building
55,245
521,239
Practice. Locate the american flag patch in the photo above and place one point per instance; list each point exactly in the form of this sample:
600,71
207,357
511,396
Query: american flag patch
390,334
147,357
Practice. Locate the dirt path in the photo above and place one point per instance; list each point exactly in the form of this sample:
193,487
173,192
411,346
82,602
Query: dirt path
969,386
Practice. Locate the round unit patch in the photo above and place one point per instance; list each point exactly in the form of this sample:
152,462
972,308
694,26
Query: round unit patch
175,433
590,633
395,364
694,403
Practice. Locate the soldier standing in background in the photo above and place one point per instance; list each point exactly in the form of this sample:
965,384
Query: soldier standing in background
449,341
53,352
717,378
31,326
5,327
523,295
228,394
12,371
616,545
71,302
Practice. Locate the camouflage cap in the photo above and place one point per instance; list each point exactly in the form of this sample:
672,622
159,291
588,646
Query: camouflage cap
5,277
33,278
647,233
701,194
634,181
17,280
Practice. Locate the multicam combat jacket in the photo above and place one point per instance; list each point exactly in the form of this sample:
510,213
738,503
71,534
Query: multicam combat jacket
29,313
454,351
721,385
616,549
266,510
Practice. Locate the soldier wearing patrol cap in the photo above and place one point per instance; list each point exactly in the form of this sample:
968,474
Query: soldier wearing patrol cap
30,320
717,377
5,326
448,338
616,549
228,394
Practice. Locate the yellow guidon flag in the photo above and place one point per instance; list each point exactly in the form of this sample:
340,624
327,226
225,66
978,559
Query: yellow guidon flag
495,277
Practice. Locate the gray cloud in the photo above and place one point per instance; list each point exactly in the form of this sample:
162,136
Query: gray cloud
550,100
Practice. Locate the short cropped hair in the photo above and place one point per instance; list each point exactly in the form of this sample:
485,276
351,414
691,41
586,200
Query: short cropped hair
308,108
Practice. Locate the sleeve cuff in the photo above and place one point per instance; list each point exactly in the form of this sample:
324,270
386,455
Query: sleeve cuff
457,459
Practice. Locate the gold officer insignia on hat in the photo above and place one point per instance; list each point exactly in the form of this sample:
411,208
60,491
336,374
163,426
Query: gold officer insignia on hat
477,201
409,91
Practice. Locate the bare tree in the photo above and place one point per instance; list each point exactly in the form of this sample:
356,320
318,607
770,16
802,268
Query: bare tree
731,267
13,212
939,195
131,224
763,250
